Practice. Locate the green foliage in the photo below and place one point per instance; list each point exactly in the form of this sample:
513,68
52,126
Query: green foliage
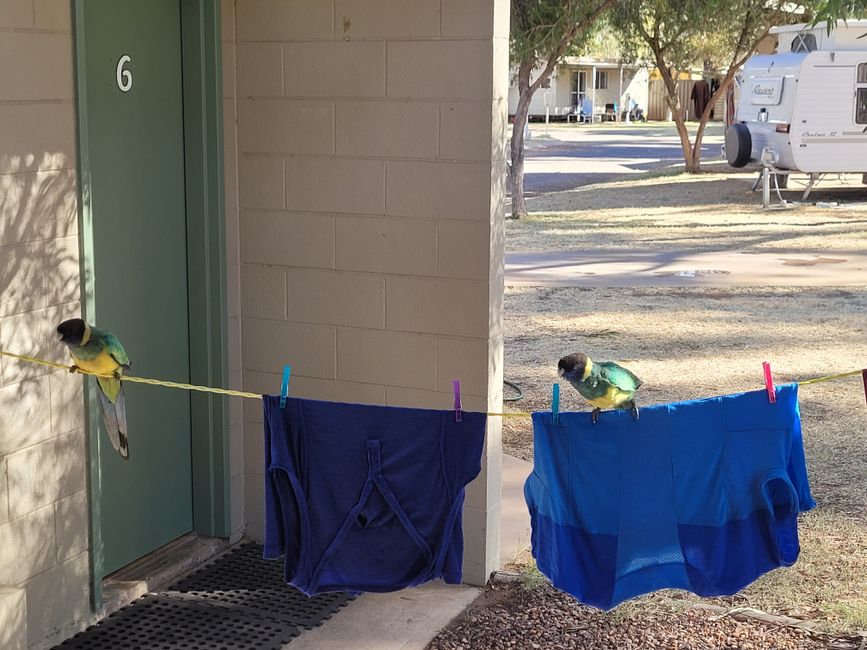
715,34
531,577
542,28
686,34
606,43
829,11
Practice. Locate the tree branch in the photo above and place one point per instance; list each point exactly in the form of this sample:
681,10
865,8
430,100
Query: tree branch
567,38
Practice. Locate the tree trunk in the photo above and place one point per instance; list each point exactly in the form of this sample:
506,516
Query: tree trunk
727,81
516,170
705,117
689,159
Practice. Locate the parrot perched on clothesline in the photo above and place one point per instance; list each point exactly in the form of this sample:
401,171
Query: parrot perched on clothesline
604,384
99,351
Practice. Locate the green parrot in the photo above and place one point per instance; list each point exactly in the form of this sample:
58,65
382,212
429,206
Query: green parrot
99,351
605,384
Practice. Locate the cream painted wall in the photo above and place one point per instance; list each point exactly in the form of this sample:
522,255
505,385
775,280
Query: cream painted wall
371,214
43,503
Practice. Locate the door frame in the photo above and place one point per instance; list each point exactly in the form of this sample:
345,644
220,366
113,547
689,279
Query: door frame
206,271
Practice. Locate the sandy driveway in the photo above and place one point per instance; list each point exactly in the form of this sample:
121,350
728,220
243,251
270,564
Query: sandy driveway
573,155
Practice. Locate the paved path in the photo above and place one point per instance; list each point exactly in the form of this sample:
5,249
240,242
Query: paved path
411,618
686,269
577,154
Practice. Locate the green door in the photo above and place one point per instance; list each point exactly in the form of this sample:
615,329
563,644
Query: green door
135,144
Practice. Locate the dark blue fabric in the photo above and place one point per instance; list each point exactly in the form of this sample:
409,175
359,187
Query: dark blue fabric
367,498
701,495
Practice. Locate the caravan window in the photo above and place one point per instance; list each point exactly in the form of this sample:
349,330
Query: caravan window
804,43
861,106
861,95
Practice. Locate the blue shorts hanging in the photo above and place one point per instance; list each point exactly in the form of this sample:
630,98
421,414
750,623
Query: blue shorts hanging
701,495
367,498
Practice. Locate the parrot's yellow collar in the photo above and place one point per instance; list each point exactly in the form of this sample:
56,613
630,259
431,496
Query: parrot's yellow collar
86,336
587,369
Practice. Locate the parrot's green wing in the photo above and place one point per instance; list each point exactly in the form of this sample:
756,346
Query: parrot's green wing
618,376
112,345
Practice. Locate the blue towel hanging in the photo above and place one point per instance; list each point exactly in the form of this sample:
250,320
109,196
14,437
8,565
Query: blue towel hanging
701,495
367,498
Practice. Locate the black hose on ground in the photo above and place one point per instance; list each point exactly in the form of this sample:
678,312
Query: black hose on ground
514,387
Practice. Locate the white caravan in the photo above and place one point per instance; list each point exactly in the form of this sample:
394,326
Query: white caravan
805,108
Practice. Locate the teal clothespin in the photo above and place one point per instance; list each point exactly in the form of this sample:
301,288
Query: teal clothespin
284,387
555,404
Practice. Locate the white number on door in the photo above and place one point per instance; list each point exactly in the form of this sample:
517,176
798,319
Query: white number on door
124,77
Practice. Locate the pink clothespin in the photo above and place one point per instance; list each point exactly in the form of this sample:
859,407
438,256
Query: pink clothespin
864,379
456,385
769,383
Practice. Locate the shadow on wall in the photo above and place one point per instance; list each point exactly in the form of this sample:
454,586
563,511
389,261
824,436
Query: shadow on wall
43,531
39,261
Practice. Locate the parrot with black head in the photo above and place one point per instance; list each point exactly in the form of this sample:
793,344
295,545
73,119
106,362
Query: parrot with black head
605,384
100,351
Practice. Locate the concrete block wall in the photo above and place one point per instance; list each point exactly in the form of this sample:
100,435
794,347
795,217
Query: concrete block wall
43,505
371,146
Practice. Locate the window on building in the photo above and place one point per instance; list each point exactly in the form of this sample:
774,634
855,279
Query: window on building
804,43
862,73
602,80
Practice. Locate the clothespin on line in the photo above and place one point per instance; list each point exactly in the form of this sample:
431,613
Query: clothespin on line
769,382
456,387
284,385
555,404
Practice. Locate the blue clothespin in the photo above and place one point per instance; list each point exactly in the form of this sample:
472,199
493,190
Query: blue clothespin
456,386
284,387
555,404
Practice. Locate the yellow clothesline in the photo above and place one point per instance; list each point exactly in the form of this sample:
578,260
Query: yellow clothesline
240,393
133,378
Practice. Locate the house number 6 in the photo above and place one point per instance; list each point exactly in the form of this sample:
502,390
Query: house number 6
124,77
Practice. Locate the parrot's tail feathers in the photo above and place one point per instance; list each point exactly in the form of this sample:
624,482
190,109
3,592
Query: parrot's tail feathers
114,417
123,450
120,411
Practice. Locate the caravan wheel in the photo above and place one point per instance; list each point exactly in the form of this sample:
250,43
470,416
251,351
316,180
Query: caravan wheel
739,145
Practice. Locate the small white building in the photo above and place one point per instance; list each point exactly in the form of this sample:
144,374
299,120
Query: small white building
589,86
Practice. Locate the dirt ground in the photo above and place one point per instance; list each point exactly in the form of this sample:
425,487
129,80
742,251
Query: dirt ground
690,342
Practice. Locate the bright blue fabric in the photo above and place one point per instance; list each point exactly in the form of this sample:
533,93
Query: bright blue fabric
366,498
701,495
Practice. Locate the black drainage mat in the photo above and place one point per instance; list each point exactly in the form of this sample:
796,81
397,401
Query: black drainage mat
248,583
161,622
237,602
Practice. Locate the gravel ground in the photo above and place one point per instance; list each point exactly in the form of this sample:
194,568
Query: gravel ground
686,343
515,617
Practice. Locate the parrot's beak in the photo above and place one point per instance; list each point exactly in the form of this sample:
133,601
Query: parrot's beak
561,372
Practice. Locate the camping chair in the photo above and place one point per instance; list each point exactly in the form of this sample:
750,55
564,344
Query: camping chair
586,113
